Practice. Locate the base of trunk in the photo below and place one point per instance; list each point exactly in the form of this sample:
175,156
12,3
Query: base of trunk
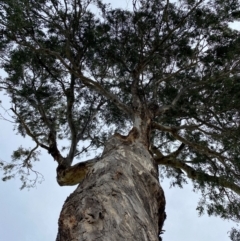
120,199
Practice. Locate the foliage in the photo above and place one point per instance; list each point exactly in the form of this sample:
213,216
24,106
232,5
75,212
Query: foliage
234,234
77,75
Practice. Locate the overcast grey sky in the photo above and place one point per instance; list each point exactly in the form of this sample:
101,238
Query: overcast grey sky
33,215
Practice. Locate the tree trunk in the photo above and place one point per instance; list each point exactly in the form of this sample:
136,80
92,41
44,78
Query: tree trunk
120,198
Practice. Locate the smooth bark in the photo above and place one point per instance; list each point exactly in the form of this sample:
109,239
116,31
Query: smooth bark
119,199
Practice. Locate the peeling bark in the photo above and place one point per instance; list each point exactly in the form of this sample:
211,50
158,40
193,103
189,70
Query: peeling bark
119,199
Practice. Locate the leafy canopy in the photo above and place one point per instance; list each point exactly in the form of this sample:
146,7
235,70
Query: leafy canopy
79,70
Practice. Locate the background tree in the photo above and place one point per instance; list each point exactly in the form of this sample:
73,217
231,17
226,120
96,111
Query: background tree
169,70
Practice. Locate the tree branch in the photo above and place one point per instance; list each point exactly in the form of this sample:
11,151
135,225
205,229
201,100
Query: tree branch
28,131
196,175
97,87
70,101
197,147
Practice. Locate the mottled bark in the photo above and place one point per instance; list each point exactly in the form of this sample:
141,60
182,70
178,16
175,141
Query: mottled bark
119,199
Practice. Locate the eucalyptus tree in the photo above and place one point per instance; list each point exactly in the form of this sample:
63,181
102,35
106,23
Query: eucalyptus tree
156,88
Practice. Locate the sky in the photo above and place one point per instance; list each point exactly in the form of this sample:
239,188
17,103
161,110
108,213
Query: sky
32,215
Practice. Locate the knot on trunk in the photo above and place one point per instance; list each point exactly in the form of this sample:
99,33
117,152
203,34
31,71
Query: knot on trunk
130,138
69,176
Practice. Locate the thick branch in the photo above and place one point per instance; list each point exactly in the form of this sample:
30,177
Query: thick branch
134,90
52,148
196,175
70,101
